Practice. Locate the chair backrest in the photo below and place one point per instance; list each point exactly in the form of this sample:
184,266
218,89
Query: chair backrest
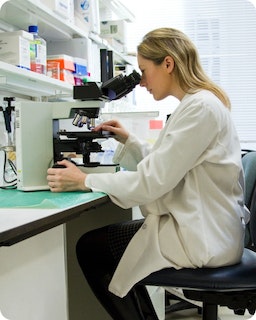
249,166
253,220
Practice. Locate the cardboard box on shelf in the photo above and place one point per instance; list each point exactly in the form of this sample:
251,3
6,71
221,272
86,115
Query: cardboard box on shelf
66,67
15,48
64,8
80,66
67,76
86,13
114,29
53,69
66,62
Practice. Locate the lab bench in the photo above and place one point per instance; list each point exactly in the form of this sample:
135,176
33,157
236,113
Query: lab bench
39,274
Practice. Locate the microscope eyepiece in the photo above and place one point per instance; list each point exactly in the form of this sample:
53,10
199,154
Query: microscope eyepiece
112,89
120,85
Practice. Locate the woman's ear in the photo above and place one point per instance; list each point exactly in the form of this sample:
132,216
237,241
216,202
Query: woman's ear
169,63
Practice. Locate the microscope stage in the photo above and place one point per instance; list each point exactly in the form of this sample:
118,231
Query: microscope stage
86,134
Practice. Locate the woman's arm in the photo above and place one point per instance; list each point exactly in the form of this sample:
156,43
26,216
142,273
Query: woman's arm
115,127
69,178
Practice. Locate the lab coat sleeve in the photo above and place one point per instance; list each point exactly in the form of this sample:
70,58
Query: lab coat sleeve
181,146
128,155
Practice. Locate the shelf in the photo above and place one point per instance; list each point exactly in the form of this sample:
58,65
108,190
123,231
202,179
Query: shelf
115,6
119,57
19,14
29,83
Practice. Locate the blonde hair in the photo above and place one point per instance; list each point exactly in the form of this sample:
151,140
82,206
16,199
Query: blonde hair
162,42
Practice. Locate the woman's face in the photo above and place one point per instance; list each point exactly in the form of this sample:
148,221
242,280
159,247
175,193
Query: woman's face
155,78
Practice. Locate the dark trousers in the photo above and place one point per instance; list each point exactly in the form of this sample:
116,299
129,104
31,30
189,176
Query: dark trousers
98,253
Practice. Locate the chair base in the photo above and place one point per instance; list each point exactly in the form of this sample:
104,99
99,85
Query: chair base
239,302
174,304
210,311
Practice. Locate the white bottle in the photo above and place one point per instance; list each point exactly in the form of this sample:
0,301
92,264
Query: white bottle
38,56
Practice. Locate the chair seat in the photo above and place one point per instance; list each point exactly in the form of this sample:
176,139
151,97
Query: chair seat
238,277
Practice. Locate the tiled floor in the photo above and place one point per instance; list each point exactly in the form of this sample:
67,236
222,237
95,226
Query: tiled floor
224,314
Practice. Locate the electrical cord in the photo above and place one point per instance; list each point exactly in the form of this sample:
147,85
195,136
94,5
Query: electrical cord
11,184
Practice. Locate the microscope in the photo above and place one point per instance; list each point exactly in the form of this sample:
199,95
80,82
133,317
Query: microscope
90,98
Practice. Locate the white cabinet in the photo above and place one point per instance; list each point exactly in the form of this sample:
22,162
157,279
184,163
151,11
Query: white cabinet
33,278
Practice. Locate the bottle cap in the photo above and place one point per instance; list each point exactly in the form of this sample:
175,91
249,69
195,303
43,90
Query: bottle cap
33,29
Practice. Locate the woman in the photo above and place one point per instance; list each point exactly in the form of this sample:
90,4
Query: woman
187,184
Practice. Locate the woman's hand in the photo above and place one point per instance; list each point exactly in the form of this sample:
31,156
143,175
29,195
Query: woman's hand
114,126
70,178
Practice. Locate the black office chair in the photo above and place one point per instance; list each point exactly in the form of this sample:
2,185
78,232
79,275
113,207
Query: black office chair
232,286
249,166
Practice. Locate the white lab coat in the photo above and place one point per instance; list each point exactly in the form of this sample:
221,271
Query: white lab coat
187,187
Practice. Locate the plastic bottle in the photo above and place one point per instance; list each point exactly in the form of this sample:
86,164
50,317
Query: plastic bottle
38,56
